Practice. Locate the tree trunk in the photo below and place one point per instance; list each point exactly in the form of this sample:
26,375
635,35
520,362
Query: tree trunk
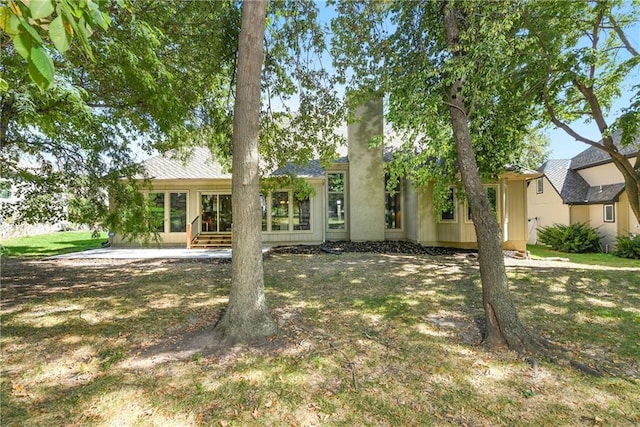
503,325
247,316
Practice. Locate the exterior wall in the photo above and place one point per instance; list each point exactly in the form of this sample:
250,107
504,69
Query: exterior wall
194,188
608,230
460,233
579,214
515,215
625,217
366,175
601,175
546,208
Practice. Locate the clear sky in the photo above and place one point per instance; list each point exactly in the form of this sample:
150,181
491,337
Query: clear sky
564,146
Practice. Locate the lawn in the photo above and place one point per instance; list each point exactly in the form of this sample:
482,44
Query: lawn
44,245
608,259
365,339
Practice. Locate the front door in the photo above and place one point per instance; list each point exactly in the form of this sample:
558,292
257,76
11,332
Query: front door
215,213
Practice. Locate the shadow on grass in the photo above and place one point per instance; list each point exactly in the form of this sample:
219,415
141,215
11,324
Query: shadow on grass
364,339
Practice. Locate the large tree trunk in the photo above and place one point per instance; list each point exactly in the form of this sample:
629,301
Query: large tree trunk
503,325
247,317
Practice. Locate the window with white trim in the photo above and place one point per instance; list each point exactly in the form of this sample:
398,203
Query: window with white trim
609,213
167,207
539,185
283,211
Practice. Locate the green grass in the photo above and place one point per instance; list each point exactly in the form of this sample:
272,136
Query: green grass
608,260
44,245
364,339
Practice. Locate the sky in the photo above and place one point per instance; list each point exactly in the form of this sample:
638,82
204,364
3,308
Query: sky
564,146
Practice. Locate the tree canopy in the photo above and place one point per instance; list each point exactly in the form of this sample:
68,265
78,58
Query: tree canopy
585,53
162,79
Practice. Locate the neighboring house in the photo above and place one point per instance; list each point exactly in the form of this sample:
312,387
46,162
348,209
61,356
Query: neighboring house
193,202
585,189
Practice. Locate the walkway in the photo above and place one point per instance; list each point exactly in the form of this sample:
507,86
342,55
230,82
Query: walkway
149,253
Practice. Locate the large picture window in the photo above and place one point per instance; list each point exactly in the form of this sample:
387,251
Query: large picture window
283,211
167,208
336,201
155,202
392,206
280,211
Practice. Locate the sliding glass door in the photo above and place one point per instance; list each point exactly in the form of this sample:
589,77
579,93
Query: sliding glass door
215,213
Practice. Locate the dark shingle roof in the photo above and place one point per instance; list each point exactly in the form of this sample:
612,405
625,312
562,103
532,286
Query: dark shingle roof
604,193
565,179
567,182
593,156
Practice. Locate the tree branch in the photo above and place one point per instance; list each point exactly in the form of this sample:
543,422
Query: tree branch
623,36
595,40
556,121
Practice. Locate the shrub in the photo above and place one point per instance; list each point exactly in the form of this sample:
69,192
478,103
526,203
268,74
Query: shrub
576,238
628,246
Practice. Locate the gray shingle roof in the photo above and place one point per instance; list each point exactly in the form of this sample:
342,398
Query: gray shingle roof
605,193
567,182
564,177
199,166
593,156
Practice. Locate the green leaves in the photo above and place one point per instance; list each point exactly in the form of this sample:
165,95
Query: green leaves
59,36
41,67
40,8
34,26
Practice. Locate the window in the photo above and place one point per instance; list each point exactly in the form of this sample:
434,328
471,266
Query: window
178,209
336,205
492,194
302,214
263,209
540,185
155,202
392,206
609,213
174,212
449,214
282,211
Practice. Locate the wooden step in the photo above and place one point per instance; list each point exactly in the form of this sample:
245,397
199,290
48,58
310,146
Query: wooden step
212,241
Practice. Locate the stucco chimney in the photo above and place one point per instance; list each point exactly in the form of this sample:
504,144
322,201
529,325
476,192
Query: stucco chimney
366,174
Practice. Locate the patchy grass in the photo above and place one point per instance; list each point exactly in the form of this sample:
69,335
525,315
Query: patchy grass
609,260
44,245
365,339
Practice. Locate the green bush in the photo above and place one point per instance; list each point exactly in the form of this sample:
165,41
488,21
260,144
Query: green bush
576,238
628,246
